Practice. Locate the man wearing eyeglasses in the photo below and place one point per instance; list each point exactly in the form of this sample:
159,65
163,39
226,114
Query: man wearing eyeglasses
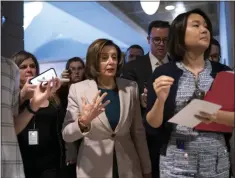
157,40
141,69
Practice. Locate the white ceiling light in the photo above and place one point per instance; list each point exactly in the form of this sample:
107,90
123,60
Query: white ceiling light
169,8
150,7
180,8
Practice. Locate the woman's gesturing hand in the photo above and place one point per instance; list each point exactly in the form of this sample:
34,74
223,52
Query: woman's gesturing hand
162,87
91,111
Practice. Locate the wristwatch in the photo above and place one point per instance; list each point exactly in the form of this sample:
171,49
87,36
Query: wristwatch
83,127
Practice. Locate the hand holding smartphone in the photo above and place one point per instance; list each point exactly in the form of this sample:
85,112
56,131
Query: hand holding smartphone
44,77
65,76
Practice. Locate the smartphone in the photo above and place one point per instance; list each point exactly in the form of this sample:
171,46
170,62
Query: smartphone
44,77
66,79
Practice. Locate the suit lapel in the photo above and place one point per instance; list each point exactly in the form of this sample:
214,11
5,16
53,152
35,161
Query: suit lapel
124,96
148,65
91,92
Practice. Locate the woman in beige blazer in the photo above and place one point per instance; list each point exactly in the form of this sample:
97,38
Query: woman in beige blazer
105,112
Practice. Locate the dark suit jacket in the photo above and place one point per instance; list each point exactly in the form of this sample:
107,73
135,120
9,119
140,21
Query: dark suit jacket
139,70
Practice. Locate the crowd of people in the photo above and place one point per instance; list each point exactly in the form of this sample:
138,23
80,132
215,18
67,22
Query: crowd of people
110,119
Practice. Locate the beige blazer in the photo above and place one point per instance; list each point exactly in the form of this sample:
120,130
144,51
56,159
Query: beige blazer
95,156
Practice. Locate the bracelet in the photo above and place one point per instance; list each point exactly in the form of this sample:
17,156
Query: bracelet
83,127
30,109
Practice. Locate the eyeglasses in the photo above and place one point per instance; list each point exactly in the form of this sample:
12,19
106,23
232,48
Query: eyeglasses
158,40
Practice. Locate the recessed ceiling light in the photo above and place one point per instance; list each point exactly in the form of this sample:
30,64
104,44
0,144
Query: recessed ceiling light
169,8
150,7
180,8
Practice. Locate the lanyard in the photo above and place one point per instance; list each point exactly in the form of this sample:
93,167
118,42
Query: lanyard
34,122
180,144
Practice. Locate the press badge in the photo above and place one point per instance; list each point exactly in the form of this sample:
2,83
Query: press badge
33,137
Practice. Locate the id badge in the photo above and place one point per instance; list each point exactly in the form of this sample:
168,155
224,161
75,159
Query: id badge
33,137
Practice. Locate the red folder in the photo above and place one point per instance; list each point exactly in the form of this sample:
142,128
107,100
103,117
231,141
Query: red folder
222,93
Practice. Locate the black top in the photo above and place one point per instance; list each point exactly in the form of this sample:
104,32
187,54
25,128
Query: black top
170,69
112,110
63,93
47,154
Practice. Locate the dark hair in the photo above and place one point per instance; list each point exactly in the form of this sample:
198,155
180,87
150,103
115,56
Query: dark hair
216,43
176,38
135,46
21,56
158,24
74,59
93,58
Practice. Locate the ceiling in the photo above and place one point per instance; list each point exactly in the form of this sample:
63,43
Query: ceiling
70,27
134,11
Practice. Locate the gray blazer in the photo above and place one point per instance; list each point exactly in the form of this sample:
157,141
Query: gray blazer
95,156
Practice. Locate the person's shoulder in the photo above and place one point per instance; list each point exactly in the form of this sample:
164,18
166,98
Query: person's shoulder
146,56
169,69
141,59
138,61
166,68
217,67
83,83
125,82
79,87
8,62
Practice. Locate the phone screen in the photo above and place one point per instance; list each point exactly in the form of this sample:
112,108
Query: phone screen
45,76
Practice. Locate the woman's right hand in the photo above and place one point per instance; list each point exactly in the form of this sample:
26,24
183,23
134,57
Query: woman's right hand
162,87
91,111
65,74
27,91
43,92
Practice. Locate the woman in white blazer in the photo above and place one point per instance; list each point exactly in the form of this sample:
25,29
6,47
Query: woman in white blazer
104,110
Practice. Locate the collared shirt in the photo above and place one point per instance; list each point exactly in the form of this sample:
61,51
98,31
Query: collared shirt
155,62
12,165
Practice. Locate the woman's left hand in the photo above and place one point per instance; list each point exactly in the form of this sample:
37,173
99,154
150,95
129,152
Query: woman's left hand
43,92
57,84
206,117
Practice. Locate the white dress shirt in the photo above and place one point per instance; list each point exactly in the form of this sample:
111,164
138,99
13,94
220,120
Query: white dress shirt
155,62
